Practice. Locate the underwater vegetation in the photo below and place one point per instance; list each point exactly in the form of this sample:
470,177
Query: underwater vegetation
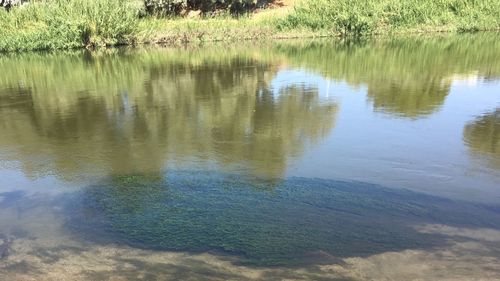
279,222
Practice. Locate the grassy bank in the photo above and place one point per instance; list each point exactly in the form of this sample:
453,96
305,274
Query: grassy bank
361,17
64,24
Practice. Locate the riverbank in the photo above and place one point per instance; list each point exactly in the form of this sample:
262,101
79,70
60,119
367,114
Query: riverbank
66,24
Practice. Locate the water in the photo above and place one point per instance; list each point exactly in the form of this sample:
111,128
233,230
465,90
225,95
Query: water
300,160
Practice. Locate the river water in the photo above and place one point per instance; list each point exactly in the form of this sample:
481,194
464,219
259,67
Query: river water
297,160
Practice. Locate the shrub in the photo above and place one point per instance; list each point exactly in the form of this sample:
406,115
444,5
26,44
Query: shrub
175,7
165,7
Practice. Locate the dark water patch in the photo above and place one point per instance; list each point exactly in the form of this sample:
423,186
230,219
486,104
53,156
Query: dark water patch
51,255
47,256
18,232
265,222
22,266
11,198
135,269
5,246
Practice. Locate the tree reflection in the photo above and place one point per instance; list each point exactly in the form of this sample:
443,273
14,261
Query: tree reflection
411,99
120,114
482,136
408,77
132,111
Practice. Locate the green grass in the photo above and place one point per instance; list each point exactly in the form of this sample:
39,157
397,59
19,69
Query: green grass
65,24
361,17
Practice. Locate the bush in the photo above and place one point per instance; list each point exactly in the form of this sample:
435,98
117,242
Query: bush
165,7
175,7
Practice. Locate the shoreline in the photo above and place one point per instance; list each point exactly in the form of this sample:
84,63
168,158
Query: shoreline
181,39
174,41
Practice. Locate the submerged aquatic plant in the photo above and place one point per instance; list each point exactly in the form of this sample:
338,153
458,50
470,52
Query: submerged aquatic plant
265,222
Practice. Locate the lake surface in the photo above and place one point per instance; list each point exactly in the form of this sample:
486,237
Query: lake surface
297,160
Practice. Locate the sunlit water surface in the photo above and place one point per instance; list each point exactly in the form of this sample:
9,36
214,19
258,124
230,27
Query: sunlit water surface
287,160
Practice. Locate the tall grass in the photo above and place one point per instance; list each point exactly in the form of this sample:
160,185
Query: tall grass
361,17
64,24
